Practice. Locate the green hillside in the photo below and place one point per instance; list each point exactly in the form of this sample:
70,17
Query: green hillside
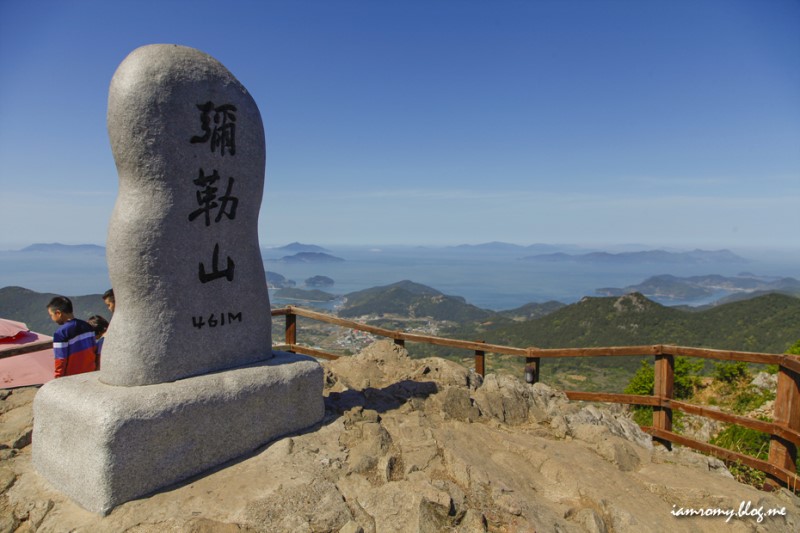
608,321
532,310
770,323
24,305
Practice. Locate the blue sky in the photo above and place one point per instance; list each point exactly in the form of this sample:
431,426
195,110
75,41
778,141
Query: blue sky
437,122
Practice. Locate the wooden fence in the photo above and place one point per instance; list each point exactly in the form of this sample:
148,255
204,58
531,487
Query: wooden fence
784,430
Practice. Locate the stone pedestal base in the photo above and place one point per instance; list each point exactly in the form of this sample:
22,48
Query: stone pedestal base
104,445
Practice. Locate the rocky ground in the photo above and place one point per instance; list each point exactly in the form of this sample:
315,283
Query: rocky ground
420,445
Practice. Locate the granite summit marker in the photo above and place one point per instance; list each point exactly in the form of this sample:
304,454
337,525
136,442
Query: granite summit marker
183,252
189,379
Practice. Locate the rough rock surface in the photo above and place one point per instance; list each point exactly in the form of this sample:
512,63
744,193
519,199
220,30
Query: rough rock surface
421,445
765,381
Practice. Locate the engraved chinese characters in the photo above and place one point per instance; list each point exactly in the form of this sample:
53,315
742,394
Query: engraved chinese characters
207,196
223,134
183,250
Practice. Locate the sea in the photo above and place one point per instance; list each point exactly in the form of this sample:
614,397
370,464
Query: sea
496,278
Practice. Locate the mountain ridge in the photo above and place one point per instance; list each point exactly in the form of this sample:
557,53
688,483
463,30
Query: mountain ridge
671,287
765,323
310,257
648,256
57,247
296,247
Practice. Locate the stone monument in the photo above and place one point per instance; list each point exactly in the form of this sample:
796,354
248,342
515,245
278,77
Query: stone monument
189,379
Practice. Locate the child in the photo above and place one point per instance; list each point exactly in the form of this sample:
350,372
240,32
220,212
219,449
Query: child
100,326
108,299
74,342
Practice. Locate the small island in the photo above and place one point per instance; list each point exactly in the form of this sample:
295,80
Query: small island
278,281
319,281
311,257
298,247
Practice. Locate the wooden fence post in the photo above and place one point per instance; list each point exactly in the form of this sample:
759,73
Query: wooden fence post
400,342
291,329
663,386
480,362
532,366
783,453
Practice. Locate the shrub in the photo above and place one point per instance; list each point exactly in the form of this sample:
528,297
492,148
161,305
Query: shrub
686,380
643,380
794,349
731,372
749,442
747,474
687,376
751,398
743,440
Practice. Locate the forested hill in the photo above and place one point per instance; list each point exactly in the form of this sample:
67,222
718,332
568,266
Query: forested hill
406,298
769,323
30,307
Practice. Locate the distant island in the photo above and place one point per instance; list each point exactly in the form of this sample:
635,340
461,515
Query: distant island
278,281
494,246
667,287
57,247
310,257
502,247
649,256
319,281
297,247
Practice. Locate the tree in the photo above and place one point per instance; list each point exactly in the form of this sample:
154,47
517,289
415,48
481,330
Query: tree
686,378
794,349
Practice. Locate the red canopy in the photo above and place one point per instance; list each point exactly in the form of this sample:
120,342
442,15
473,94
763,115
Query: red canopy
33,368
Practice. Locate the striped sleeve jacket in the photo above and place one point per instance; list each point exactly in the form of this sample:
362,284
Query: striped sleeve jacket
74,348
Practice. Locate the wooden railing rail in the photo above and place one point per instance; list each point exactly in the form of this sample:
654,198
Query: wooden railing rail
784,430
28,348
395,334
775,472
611,397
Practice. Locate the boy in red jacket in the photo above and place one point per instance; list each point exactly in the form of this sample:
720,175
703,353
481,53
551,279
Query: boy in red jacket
73,342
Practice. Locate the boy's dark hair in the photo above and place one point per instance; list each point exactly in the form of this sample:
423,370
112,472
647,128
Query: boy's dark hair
99,324
109,295
60,303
